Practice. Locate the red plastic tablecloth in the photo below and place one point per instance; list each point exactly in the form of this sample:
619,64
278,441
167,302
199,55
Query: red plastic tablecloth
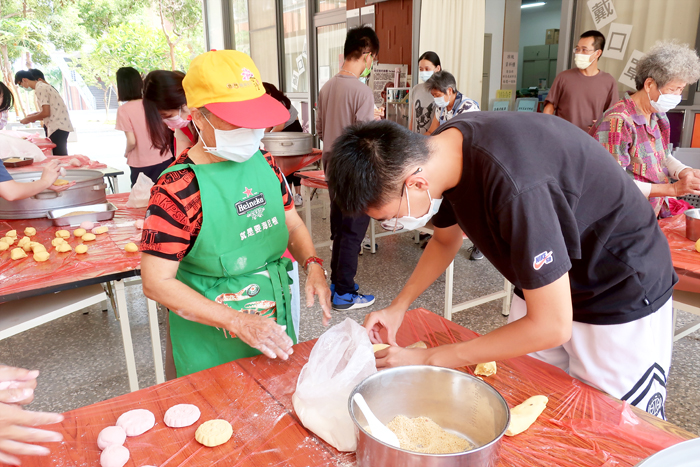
580,426
686,260
290,164
106,255
69,162
313,179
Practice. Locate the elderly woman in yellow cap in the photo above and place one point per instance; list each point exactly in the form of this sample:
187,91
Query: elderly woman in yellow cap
218,222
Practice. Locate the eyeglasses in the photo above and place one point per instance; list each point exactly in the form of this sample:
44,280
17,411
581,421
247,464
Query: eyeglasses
403,188
584,50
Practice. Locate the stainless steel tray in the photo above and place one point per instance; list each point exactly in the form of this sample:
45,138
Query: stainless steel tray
102,212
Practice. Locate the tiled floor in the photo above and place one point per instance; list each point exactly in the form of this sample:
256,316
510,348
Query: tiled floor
81,357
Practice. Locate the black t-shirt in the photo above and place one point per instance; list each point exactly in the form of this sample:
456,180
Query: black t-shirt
540,197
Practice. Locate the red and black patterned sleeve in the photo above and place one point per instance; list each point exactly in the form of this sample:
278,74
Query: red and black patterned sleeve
174,215
287,199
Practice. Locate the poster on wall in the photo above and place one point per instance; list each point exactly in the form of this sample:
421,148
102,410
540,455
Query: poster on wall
509,76
383,74
618,38
603,12
630,70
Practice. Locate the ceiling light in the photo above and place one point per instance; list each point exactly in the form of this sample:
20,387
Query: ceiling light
530,5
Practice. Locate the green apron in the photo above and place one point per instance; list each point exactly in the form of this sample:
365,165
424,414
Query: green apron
236,260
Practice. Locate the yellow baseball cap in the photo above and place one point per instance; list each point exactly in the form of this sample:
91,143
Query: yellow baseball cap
228,84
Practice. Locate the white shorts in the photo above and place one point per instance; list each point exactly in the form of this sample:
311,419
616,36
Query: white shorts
628,361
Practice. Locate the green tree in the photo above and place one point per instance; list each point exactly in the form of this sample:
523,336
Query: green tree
180,20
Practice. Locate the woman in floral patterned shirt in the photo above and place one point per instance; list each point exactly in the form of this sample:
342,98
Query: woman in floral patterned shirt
636,130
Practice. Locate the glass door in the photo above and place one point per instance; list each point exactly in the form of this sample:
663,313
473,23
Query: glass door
330,41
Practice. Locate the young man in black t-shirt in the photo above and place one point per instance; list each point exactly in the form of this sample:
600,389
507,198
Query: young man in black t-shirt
554,213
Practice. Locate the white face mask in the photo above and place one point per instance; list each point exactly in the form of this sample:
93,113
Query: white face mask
425,75
237,145
582,61
665,102
412,223
441,101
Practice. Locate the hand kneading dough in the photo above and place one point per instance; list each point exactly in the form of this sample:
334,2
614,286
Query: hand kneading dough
111,436
64,234
114,456
525,414
57,241
11,233
100,230
181,415
18,253
80,249
378,347
131,247
136,422
64,248
214,433
41,256
418,345
4,246
8,240
79,232
31,231
88,237
486,369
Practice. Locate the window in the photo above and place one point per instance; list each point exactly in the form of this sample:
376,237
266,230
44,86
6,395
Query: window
325,5
254,23
296,73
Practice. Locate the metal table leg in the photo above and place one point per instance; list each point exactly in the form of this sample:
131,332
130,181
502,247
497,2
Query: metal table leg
126,335
155,340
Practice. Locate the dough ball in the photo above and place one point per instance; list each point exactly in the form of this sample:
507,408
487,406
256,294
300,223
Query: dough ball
60,182
64,234
80,249
27,247
23,242
131,247
57,241
31,231
418,345
4,246
64,248
525,414
136,422
88,237
100,230
139,224
87,225
486,369
181,415
41,256
8,240
214,433
36,246
18,253
697,245
11,233
111,436
378,347
79,232
114,456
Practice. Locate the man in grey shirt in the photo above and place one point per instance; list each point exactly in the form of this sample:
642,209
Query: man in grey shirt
343,101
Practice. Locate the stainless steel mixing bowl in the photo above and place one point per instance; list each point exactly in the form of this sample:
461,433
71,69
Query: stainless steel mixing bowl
692,224
456,401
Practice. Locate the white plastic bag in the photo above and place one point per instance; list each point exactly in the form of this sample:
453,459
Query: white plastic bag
340,360
140,192
16,147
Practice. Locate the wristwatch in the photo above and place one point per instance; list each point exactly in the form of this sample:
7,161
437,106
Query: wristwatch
317,260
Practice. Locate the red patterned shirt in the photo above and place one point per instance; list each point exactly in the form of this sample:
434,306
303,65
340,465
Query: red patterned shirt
174,214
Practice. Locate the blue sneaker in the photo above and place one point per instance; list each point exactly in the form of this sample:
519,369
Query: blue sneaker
357,287
351,301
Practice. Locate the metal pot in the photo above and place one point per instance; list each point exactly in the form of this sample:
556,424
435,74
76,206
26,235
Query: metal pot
692,224
88,189
281,144
456,401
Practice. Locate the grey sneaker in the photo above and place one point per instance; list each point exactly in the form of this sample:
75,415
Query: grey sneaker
475,254
298,200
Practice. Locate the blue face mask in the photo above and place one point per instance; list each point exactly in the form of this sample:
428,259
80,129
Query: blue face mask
425,75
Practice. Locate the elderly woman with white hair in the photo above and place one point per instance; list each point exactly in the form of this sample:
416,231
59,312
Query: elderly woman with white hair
636,130
450,102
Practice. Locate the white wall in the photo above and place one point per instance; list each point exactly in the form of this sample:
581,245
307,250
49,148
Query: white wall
495,15
534,23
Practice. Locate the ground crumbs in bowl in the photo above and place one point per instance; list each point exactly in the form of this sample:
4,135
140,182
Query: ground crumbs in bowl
421,434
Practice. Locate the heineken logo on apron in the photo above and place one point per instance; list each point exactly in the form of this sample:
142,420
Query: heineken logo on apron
250,204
